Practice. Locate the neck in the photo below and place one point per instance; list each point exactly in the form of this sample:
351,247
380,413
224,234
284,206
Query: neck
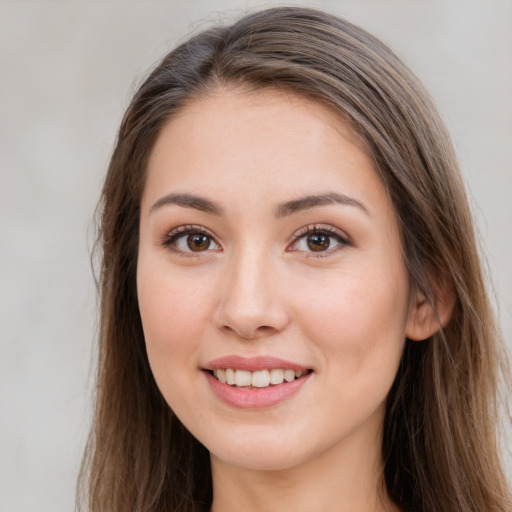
343,479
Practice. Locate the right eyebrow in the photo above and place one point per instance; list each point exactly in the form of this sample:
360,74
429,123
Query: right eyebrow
304,203
188,201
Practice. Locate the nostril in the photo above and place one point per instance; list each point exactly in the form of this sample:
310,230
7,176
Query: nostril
248,333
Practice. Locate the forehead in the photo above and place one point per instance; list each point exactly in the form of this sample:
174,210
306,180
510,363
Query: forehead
264,144
227,107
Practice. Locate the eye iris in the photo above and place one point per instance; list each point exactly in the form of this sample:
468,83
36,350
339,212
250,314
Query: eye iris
318,242
198,242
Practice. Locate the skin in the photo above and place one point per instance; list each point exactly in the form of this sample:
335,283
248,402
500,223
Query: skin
259,289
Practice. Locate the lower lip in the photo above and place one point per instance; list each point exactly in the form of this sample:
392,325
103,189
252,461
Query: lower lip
255,398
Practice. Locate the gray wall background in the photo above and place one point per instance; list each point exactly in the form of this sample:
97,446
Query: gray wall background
67,69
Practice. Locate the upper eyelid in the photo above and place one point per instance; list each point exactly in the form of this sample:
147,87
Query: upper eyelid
312,228
187,229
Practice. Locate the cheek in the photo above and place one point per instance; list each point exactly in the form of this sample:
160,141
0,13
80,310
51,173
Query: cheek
358,325
174,309
358,333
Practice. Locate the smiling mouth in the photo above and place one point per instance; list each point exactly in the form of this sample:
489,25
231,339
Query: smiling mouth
245,379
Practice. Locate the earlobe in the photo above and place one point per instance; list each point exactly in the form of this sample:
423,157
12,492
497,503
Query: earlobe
427,318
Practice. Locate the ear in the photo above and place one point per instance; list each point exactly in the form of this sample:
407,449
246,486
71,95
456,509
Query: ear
427,318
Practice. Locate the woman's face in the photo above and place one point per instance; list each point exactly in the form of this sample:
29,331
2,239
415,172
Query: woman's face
270,257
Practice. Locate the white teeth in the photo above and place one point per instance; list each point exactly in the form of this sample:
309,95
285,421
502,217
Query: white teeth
243,378
230,376
289,375
276,376
258,379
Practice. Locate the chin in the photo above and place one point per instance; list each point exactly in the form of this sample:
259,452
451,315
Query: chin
258,450
256,459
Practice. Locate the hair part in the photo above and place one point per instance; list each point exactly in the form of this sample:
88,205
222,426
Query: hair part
439,438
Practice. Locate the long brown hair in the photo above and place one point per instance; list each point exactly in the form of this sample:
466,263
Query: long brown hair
440,448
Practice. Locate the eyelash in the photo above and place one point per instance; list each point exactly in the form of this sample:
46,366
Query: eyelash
325,230
171,239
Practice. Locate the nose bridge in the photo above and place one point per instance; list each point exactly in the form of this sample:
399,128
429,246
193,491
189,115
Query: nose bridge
250,303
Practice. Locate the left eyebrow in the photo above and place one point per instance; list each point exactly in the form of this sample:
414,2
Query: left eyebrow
306,202
188,201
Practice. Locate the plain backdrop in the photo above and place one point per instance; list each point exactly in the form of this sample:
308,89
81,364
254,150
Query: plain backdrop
67,70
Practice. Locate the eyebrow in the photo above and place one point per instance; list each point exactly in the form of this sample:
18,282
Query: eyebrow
307,202
288,208
189,201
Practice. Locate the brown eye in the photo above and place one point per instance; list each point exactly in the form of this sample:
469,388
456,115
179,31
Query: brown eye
322,240
318,242
191,240
198,242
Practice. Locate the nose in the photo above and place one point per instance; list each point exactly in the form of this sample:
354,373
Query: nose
250,303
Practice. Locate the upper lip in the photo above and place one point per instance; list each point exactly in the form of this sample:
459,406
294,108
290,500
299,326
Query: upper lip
253,364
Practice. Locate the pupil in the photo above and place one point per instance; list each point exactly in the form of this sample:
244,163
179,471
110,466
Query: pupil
198,242
318,242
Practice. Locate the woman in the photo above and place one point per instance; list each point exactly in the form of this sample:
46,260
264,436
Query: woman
293,312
